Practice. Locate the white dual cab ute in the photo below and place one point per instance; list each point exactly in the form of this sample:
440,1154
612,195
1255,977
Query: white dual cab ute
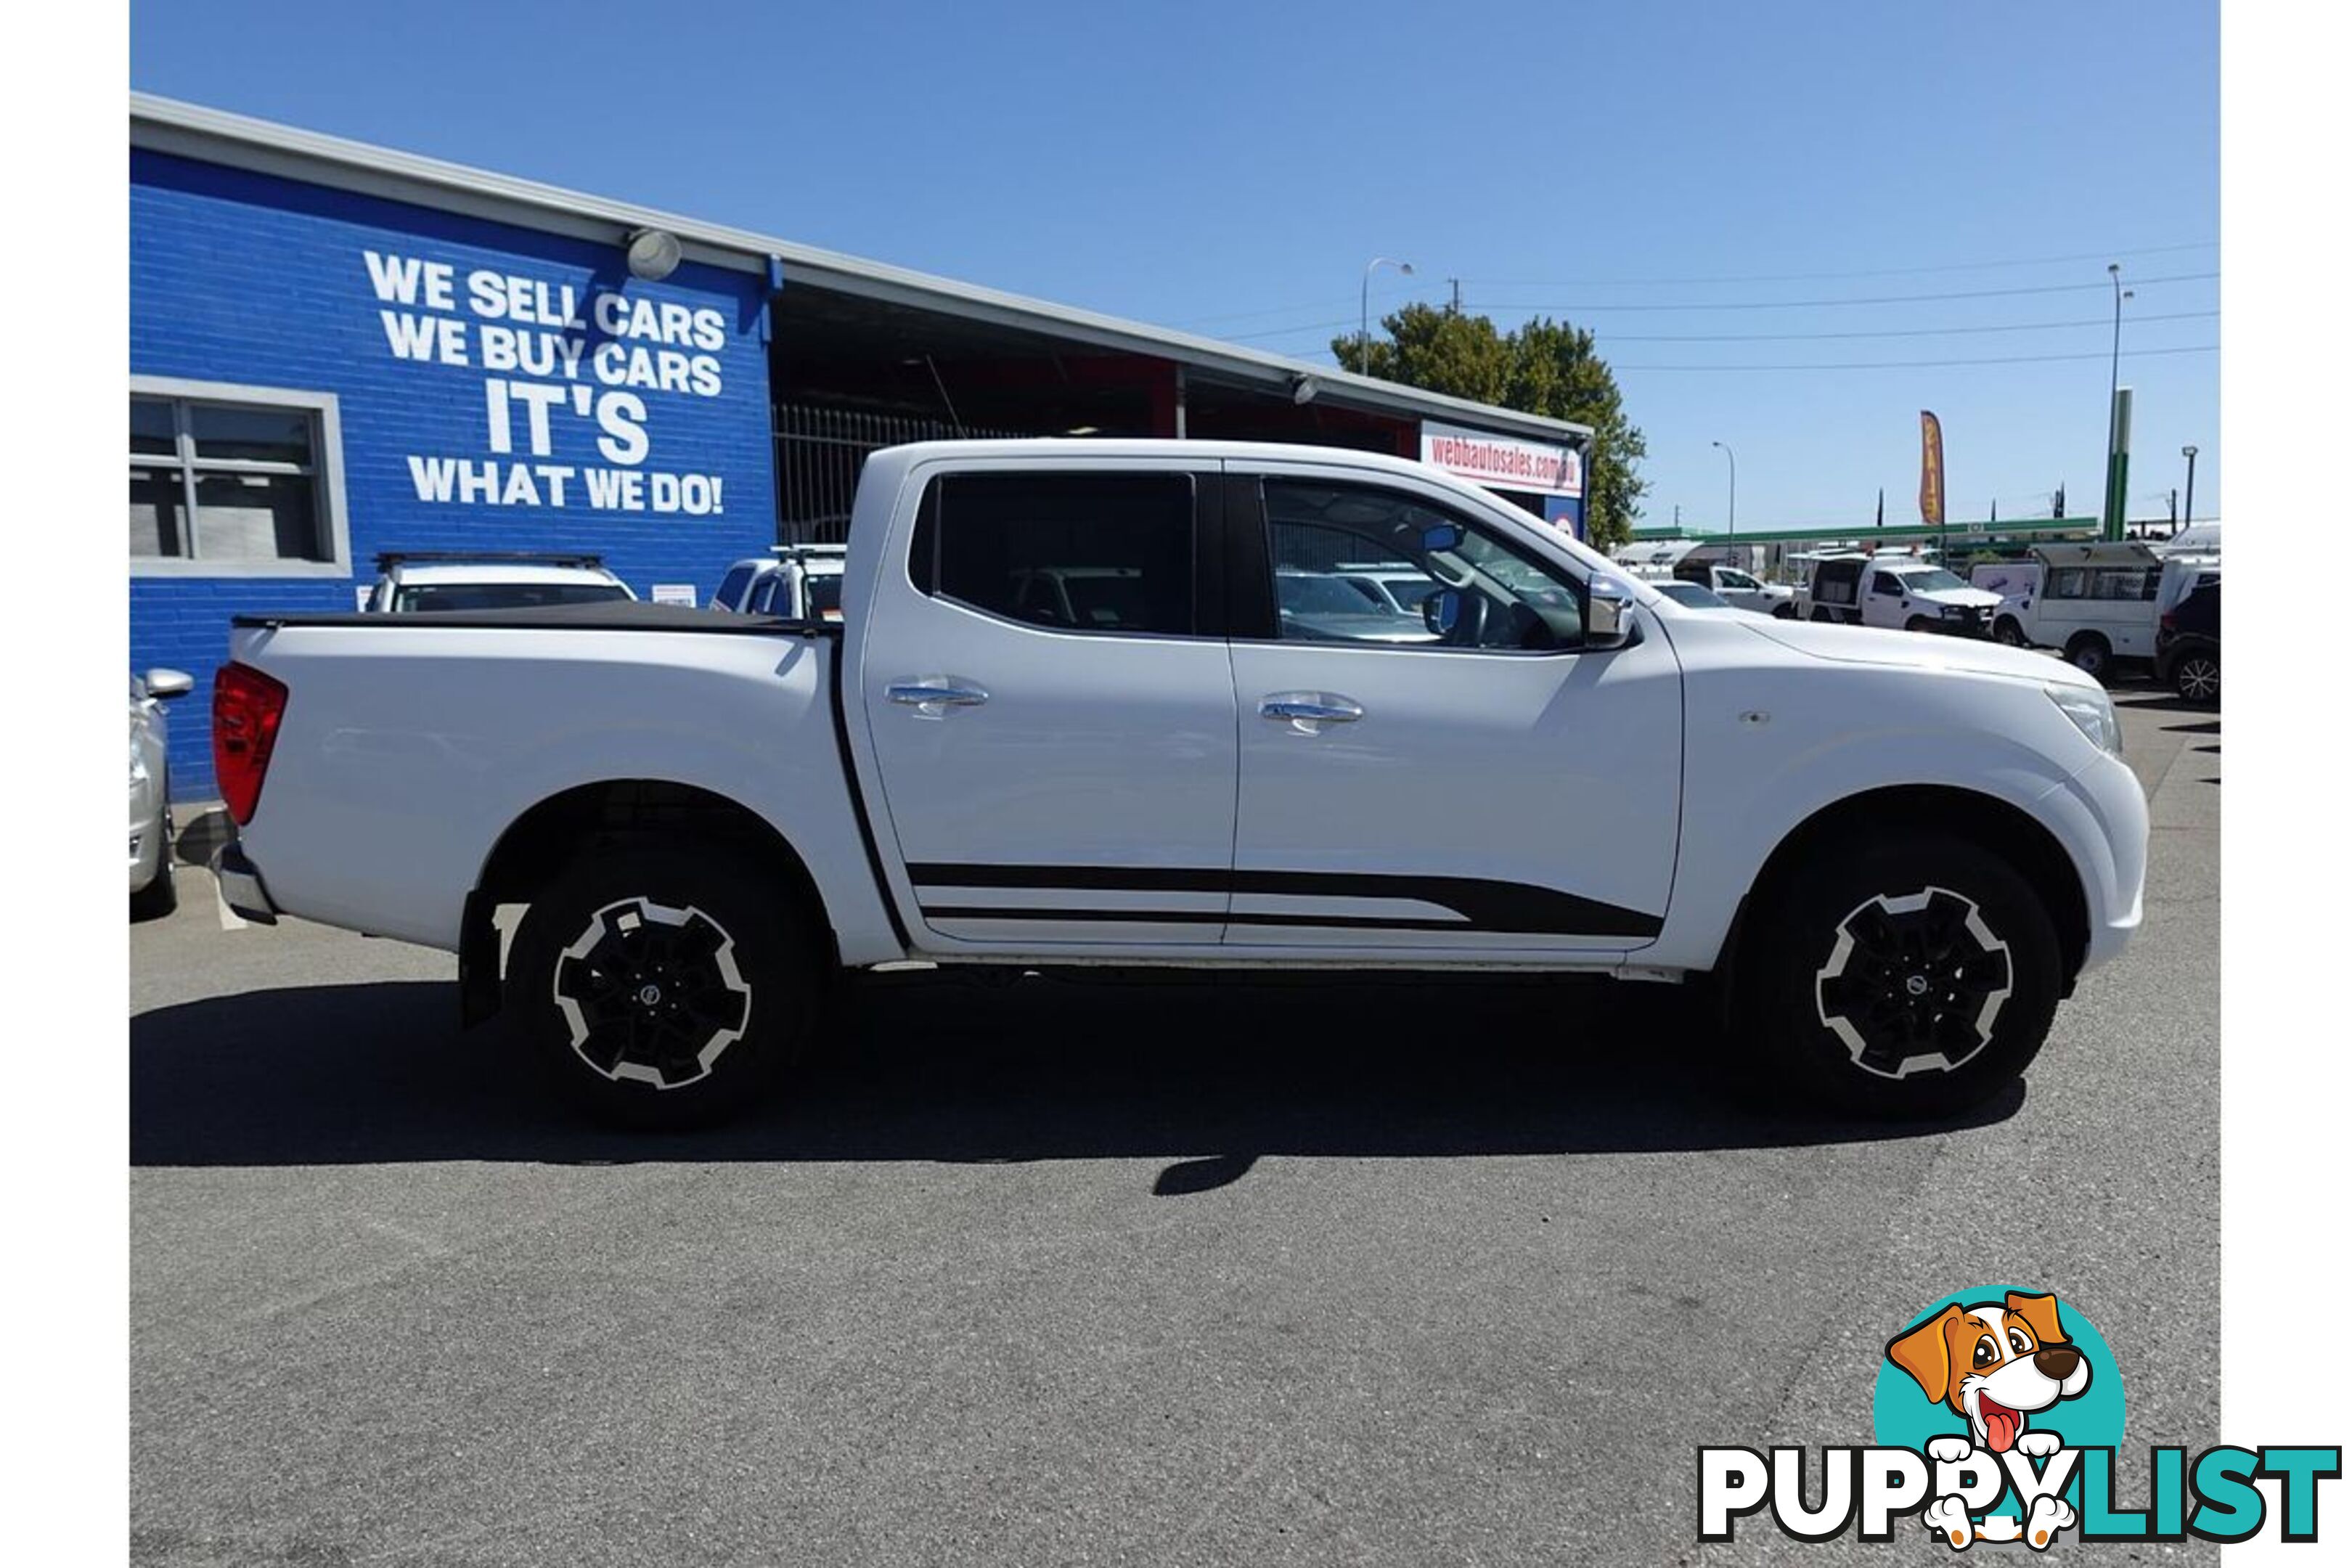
1890,856
1899,592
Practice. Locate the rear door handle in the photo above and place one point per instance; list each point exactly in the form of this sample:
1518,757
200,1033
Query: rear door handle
1311,707
936,693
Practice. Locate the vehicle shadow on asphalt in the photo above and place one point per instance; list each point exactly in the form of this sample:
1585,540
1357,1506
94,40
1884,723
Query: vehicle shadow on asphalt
1213,1073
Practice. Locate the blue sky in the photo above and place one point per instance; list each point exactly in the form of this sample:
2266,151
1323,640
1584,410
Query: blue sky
1661,172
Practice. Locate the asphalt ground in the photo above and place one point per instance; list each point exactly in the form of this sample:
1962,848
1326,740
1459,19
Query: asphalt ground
1221,1270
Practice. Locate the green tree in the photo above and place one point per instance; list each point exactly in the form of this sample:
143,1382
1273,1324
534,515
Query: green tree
1544,367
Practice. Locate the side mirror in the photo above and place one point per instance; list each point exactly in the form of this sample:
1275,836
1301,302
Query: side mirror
1608,615
163,685
1441,612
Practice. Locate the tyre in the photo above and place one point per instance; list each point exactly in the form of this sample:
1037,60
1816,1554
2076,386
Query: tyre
664,986
2090,653
2008,632
1821,614
158,897
2197,677
1784,611
162,896
1914,979
1918,623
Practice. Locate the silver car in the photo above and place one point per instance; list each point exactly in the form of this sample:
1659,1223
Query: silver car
152,892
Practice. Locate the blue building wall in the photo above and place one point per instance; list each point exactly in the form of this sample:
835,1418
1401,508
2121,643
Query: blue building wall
659,442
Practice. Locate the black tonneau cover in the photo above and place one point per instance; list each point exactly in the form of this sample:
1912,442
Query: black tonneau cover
609,615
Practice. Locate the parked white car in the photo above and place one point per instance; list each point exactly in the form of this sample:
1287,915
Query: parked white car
1391,585
1692,596
1687,561
798,581
1899,592
2017,582
1889,857
412,582
152,890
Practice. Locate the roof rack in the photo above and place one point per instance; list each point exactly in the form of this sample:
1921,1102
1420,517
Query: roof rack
385,559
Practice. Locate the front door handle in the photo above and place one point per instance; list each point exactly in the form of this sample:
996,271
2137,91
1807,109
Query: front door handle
1311,707
936,693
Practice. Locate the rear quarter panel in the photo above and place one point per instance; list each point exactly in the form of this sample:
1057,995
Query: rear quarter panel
405,752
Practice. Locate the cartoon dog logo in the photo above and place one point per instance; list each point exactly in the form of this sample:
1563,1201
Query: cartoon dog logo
1995,1364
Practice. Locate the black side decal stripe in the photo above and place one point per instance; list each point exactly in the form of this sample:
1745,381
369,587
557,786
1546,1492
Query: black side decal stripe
1191,917
1485,905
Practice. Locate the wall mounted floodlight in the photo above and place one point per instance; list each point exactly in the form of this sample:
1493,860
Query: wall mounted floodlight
1303,388
654,254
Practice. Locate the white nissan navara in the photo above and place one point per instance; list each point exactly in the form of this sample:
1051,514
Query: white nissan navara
706,815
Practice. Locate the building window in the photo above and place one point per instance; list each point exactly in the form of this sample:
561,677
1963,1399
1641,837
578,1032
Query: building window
235,482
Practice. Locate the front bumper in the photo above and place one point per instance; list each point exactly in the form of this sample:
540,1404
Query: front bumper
1970,625
240,885
149,835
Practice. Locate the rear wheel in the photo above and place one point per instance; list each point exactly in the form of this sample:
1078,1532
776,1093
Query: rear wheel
2197,677
1820,614
663,987
1915,978
2089,653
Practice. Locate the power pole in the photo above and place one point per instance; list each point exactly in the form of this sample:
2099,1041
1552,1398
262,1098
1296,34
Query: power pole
1457,294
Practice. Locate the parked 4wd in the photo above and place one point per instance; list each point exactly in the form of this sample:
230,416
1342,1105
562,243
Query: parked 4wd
706,814
2189,644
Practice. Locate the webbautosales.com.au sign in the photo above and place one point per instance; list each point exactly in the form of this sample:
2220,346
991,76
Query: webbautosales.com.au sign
1505,461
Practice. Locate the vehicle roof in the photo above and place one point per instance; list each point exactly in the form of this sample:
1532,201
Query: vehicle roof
425,575
886,468
826,565
2105,553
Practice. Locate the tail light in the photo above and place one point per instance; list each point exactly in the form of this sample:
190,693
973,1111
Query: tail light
2164,623
247,708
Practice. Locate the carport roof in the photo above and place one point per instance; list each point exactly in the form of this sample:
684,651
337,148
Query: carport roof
212,135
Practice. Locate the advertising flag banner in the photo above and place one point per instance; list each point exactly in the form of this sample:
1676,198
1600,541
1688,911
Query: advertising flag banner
1931,470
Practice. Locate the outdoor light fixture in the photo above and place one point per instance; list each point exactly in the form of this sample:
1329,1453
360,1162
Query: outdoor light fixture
654,254
1303,388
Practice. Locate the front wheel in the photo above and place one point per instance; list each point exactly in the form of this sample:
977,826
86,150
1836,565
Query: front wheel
1918,623
1820,614
663,987
2197,678
2007,633
1784,611
1915,978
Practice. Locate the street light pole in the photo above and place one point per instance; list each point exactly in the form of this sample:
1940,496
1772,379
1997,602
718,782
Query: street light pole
1731,517
2111,508
2189,491
1364,310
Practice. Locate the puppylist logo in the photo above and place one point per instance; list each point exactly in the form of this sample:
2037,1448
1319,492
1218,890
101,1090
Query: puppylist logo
1997,1416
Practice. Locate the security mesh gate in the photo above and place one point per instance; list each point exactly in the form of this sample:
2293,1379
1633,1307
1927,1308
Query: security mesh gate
819,454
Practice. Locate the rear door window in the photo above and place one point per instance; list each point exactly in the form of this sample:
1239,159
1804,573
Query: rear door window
1075,552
